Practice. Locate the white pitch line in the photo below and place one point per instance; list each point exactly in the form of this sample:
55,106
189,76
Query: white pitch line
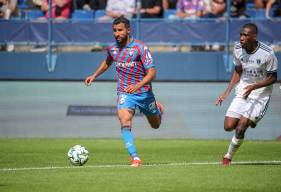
277,162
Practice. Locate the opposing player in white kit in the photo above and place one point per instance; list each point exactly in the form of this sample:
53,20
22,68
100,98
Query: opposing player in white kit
256,71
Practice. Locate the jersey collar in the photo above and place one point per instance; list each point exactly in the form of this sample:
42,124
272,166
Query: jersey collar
131,42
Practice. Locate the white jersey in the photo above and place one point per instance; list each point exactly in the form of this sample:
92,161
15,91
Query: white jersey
255,67
124,7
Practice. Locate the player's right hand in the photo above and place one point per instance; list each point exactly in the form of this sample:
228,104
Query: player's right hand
88,81
220,99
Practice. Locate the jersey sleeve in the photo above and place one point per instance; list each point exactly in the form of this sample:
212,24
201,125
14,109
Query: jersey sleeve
131,6
109,57
109,6
236,60
146,58
272,63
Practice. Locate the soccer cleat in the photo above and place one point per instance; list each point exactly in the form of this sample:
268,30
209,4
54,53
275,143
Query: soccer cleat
226,161
160,107
135,162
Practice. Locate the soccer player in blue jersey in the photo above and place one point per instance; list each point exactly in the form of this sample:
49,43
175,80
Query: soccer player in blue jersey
135,71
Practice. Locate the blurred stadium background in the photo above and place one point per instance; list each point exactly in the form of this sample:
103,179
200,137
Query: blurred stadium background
43,65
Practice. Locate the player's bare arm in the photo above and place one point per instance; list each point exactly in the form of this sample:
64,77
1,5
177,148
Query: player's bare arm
234,80
271,78
100,70
151,73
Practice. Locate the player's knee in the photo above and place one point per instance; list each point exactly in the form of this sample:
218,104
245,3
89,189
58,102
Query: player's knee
226,128
156,125
125,123
229,124
229,127
125,120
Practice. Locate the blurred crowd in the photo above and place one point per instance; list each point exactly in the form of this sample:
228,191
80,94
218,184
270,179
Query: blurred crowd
170,9
107,10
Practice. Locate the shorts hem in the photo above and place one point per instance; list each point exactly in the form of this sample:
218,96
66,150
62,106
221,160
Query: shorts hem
233,114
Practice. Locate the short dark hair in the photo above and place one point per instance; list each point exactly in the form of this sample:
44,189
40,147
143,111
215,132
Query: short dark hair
252,27
122,19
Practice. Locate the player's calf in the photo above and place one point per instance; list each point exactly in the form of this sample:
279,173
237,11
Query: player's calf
156,125
242,127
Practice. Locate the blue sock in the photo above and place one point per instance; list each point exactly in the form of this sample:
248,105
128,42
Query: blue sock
129,141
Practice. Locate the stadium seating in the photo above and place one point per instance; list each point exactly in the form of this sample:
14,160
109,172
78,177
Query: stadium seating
169,12
79,15
260,13
99,13
251,12
22,4
250,5
32,14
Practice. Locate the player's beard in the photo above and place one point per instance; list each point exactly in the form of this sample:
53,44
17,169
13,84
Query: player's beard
250,46
122,41
243,44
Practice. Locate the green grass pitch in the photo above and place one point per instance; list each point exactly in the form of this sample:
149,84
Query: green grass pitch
169,165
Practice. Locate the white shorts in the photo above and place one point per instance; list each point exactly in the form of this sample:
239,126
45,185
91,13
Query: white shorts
252,109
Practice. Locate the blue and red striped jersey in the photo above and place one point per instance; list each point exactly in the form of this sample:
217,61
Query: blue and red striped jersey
131,62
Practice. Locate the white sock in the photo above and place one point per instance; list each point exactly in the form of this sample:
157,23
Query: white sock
136,158
233,147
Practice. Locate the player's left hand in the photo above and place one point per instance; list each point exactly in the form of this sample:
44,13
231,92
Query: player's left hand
248,89
131,88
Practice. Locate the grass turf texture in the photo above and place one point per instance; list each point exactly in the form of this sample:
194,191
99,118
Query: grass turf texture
166,166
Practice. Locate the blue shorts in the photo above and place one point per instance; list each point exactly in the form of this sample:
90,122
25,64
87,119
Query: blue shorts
145,102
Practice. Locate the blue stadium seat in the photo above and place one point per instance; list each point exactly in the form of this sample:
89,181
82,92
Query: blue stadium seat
32,14
256,13
251,12
271,12
169,12
82,15
99,13
22,4
260,13
250,5
273,9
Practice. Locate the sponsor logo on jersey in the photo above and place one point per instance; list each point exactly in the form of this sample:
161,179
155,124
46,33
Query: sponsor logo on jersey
253,72
247,60
125,64
131,52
